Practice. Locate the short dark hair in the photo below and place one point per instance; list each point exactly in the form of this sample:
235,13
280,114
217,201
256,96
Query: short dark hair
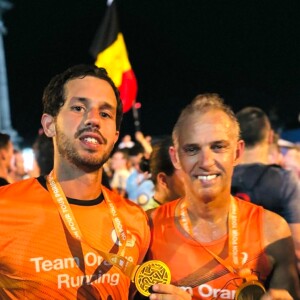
4,140
54,93
160,160
254,125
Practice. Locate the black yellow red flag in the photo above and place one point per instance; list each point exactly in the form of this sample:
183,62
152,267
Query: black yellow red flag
109,50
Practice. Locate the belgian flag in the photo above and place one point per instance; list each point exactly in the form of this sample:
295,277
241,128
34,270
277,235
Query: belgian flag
109,50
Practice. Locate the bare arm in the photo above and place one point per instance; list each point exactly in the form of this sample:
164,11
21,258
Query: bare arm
280,249
139,136
295,229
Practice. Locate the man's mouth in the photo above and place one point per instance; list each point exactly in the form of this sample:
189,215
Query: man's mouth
91,140
207,177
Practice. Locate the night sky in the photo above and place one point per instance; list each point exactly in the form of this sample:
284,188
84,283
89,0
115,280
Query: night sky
248,52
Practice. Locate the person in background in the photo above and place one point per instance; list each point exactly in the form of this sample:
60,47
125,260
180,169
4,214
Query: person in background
60,234
145,141
275,157
120,167
218,246
44,153
6,155
139,186
126,142
255,180
291,160
168,184
18,171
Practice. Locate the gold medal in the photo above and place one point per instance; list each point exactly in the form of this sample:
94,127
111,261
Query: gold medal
149,273
251,289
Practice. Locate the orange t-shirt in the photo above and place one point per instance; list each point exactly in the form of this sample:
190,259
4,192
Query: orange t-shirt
193,268
39,259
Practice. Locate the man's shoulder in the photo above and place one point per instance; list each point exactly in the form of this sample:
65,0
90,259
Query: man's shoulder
163,211
257,175
272,220
257,168
19,185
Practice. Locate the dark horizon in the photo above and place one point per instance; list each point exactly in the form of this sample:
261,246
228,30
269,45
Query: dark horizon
246,52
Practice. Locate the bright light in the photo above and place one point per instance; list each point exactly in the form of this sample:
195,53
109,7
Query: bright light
138,105
28,156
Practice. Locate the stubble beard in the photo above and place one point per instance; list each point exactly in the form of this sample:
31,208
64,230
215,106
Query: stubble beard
88,163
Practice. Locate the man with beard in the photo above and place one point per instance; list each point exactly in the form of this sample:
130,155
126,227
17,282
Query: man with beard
64,235
218,246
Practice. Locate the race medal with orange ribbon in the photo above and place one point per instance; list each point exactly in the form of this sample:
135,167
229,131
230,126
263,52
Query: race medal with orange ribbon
252,289
150,273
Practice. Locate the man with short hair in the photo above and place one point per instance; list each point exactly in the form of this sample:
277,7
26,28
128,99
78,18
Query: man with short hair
218,246
66,236
255,180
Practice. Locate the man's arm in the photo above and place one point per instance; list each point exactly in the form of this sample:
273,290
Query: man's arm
295,229
290,197
280,249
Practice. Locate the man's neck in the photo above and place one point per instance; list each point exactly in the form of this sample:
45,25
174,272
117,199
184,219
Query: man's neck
78,184
257,154
208,220
3,172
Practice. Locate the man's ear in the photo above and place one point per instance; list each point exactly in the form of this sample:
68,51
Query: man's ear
271,137
162,179
48,125
239,152
174,158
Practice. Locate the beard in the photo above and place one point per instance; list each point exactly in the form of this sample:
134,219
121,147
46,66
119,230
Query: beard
88,163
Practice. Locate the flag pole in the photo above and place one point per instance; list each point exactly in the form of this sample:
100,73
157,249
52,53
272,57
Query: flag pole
136,118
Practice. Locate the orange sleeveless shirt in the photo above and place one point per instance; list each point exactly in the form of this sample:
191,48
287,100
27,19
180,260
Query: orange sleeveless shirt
193,268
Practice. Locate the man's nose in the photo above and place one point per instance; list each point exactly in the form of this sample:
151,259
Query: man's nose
206,157
93,118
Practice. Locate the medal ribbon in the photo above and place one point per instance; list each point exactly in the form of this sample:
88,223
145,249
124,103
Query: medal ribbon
233,237
64,209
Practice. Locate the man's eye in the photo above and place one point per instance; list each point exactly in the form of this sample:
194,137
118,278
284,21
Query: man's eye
218,147
77,108
191,150
105,115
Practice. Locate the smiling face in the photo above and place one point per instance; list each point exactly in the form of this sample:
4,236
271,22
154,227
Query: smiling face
207,149
84,130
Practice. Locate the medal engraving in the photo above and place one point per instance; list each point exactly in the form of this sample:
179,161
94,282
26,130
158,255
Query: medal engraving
149,273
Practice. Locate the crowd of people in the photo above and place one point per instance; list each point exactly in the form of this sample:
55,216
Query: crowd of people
216,201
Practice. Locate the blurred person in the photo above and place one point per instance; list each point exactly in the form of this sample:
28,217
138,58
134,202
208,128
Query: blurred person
44,153
168,184
120,167
218,246
6,155
63,235
291,161
139,186
255,180
126,142
275,156
145,141
17,171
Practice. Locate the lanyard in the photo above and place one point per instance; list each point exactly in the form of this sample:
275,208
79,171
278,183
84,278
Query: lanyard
235,266
69,220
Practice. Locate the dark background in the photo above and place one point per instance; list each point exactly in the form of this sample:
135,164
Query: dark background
247,51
